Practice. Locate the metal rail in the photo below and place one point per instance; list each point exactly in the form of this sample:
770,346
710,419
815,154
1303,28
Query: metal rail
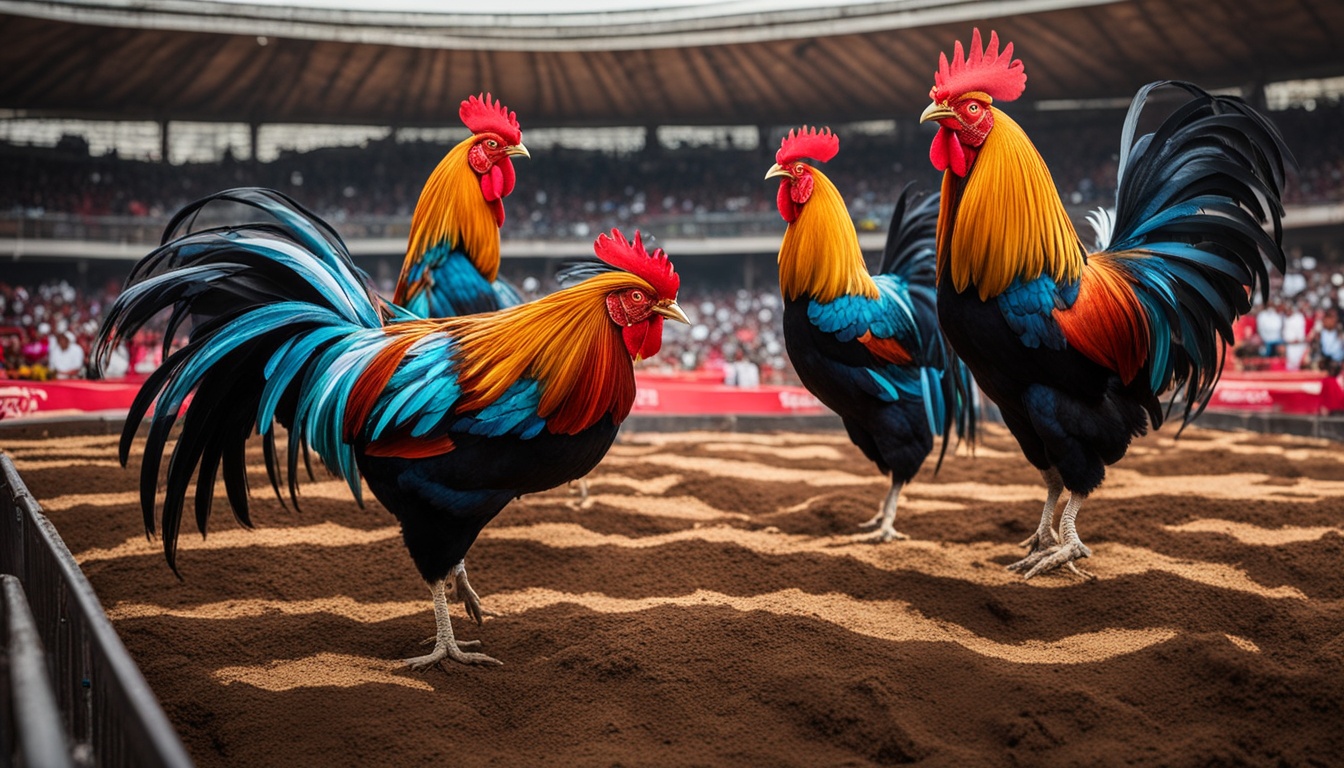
107,709
30,728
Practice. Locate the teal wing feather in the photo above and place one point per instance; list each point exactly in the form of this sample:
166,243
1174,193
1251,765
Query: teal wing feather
445,283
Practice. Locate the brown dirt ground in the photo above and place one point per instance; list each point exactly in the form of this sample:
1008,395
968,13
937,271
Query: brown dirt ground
708,608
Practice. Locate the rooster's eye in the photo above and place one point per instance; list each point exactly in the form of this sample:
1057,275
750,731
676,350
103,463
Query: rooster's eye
636,296
491,143
973,108
798,169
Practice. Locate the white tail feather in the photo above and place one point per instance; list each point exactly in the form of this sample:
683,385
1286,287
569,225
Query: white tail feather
1103,224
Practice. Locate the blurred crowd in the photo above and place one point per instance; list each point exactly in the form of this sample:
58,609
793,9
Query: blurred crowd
1301,327
47,333
575,193
736,335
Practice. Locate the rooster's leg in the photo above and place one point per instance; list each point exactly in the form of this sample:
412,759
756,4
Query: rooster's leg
1069,549
885,518
1045,536
582,489
445,645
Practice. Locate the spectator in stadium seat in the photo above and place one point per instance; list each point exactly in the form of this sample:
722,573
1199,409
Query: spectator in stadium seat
11,355
1327,343
1247,345
1295,345
65,357
118,363
743,372
1269,326
34,352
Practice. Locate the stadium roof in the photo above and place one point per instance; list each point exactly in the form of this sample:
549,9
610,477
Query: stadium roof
733,62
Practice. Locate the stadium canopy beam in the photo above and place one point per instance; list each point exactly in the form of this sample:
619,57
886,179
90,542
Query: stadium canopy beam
736,62
729,23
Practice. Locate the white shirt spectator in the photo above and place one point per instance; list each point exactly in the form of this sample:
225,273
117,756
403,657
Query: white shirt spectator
1295,339
65,357
118,363
748,373
1269,324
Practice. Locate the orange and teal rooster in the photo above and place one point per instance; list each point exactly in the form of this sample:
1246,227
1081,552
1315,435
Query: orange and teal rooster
447,420
452,256
1076,346
867,346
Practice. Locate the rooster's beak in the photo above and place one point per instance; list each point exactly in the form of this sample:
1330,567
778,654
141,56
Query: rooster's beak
517,150
777,171
671,311
936,111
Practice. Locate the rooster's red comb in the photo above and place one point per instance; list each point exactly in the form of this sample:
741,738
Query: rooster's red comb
630,256
820,145
482,115
987,70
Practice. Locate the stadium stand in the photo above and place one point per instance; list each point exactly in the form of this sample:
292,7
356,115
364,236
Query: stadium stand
563,193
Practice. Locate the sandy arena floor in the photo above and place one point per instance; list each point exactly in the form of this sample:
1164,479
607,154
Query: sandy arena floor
708,608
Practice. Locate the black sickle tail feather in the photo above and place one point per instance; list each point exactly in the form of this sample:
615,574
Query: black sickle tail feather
1193,200
912,238
246,291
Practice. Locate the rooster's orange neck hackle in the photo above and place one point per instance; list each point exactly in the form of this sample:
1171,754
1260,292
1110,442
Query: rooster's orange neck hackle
451,211
1010,222
1004,220
568,342
565,341
462,205
820,255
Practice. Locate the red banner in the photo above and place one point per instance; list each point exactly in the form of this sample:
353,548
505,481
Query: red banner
1284,392
1307,392
660,395
20,398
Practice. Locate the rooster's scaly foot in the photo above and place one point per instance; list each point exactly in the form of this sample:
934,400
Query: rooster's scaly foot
1057,556
460,643
1041,540
881,536
454,652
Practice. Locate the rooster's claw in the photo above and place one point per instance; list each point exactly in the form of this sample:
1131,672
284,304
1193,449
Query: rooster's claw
1053,557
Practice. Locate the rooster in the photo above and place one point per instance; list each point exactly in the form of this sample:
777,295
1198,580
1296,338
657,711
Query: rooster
867,346
452,257
1077,347
447,420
